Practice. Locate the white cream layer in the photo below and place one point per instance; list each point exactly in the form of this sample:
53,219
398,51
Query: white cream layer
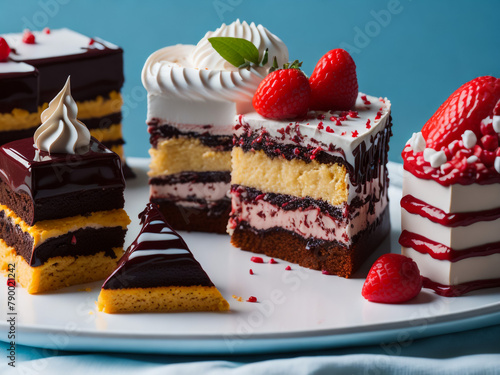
457,238
210,191
308,223
454,273
454,198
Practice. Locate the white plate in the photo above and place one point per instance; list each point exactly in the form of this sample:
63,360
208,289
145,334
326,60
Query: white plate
297,310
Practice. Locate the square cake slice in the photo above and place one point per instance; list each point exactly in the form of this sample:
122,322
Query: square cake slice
313,191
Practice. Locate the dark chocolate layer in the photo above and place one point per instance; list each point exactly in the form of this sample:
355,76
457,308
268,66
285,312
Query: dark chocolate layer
170,264
55,180
19,90
211,220
217,142
187,177
331,257
103,122
82,242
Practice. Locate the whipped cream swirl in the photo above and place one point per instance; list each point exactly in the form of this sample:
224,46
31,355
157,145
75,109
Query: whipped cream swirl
199,73
60,131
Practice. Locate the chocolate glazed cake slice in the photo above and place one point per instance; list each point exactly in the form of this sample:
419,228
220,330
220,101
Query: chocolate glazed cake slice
61,203
313,191
159,273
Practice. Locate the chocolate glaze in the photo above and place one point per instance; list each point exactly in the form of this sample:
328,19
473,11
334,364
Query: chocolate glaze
217,142
19,90
40,176
187,177
419,207
442,252
172,263
460,289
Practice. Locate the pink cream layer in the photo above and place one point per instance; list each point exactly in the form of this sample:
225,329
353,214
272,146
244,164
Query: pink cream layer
210,191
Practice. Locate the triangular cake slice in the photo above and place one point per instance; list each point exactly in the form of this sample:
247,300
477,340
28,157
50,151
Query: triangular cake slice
158,273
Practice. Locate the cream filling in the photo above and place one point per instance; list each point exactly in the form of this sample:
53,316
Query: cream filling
454,273
308,223
210,191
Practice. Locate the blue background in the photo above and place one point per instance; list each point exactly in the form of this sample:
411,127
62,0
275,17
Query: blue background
416,53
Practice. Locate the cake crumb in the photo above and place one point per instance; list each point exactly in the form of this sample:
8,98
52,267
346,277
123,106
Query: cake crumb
239,299
85,289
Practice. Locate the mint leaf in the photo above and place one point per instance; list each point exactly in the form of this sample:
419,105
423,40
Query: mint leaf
236,51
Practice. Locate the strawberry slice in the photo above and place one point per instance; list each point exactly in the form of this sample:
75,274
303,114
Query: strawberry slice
393,278
463,110
334,84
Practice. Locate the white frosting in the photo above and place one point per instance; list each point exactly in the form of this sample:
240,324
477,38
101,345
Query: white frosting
454,273
15,67
192,85
454,198
472,159
428,153
469,139
61,42
457,238
417,142
308,223
496,123
438,159
497,164
210,191
60,131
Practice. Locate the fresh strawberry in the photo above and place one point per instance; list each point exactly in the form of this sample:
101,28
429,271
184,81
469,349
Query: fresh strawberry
393,278
334,84
28,37
463,110
283,94
4,50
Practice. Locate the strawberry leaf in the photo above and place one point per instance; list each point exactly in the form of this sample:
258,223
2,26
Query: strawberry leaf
236,51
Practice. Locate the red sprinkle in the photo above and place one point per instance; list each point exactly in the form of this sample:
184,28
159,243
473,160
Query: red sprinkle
379,115
333,118
296,151
288,268
91,41
353,114
257,259
343,133
28,37
329,130
251,271
325,272
252,299
368,126
46,30
259,197
354,133
320,125
321,117
73,240
272,261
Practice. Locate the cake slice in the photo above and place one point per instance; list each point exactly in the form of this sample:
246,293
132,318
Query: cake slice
159,273
313,191
61,203
450,211
193,97
96,70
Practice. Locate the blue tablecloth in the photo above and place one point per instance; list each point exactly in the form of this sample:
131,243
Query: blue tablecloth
469,352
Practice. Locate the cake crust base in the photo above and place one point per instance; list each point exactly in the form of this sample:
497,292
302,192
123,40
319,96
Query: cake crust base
58,272
161,299
212,220
332,258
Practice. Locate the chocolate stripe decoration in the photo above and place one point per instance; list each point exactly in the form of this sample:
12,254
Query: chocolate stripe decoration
158,257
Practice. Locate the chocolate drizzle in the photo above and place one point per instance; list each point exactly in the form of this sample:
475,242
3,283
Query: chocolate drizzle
158,257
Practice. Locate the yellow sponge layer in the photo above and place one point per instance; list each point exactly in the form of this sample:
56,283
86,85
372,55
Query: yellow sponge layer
43,230
292,177
20,119
113,133
100,107
186,154
57,272
161,299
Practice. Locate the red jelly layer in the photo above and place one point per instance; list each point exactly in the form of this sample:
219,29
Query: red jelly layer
418,207
441,252
460,289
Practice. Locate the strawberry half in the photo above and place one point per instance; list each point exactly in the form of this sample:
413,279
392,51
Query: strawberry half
283,94
393,278
463,110
334,83
4,50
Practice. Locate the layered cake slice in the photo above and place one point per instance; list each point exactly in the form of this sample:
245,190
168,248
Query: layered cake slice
159,273
61,203
193,97
450,209
96,70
